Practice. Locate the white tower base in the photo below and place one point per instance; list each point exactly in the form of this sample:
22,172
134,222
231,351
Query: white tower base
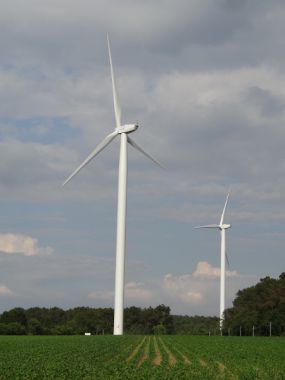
121,239
222,280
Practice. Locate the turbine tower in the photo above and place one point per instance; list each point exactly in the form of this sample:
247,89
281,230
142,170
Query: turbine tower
222,227
124,131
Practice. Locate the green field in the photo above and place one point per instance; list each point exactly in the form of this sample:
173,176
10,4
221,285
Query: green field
141,357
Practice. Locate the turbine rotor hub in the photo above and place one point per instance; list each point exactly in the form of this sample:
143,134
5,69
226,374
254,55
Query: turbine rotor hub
127,128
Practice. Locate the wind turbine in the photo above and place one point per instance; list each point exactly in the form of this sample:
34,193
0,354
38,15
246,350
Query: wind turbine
222,227
122,130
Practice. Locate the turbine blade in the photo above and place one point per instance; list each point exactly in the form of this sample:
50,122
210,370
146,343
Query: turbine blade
117,107
94,153
140,149
224,209
228,262
209,226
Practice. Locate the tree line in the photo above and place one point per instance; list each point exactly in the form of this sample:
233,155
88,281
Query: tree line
259,309
56,321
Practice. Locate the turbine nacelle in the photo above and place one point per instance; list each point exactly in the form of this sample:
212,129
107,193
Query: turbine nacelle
225,226
127,128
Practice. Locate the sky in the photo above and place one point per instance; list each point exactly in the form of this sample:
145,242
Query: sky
205,81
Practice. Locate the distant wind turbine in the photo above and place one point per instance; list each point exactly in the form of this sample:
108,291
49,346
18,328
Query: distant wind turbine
222,227
123,130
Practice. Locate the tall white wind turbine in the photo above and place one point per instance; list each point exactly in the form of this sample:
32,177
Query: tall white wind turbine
124,131
222,227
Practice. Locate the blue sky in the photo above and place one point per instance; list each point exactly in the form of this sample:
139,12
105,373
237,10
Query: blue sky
205,81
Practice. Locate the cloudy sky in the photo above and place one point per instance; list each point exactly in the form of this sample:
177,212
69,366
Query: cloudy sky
205,80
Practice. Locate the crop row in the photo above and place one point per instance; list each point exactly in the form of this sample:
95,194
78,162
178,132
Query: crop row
141,357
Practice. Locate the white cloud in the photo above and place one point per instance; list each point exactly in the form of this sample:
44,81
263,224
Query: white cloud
5,291
205,270
199,291
182,288
192,297
101,296
136,292
22,244
194,293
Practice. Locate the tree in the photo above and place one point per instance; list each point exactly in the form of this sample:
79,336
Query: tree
35,327
257,306
159,329
15,328
195,325
17,314
3,329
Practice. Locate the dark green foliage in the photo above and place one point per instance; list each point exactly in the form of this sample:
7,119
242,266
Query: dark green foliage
159,330
257,306
3,329
197,325
14,328
35,327
15,315
143,321
133,321
55,321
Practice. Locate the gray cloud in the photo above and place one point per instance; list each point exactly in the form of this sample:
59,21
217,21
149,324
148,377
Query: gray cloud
205,81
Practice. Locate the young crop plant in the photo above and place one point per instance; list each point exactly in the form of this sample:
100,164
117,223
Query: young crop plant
141,357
